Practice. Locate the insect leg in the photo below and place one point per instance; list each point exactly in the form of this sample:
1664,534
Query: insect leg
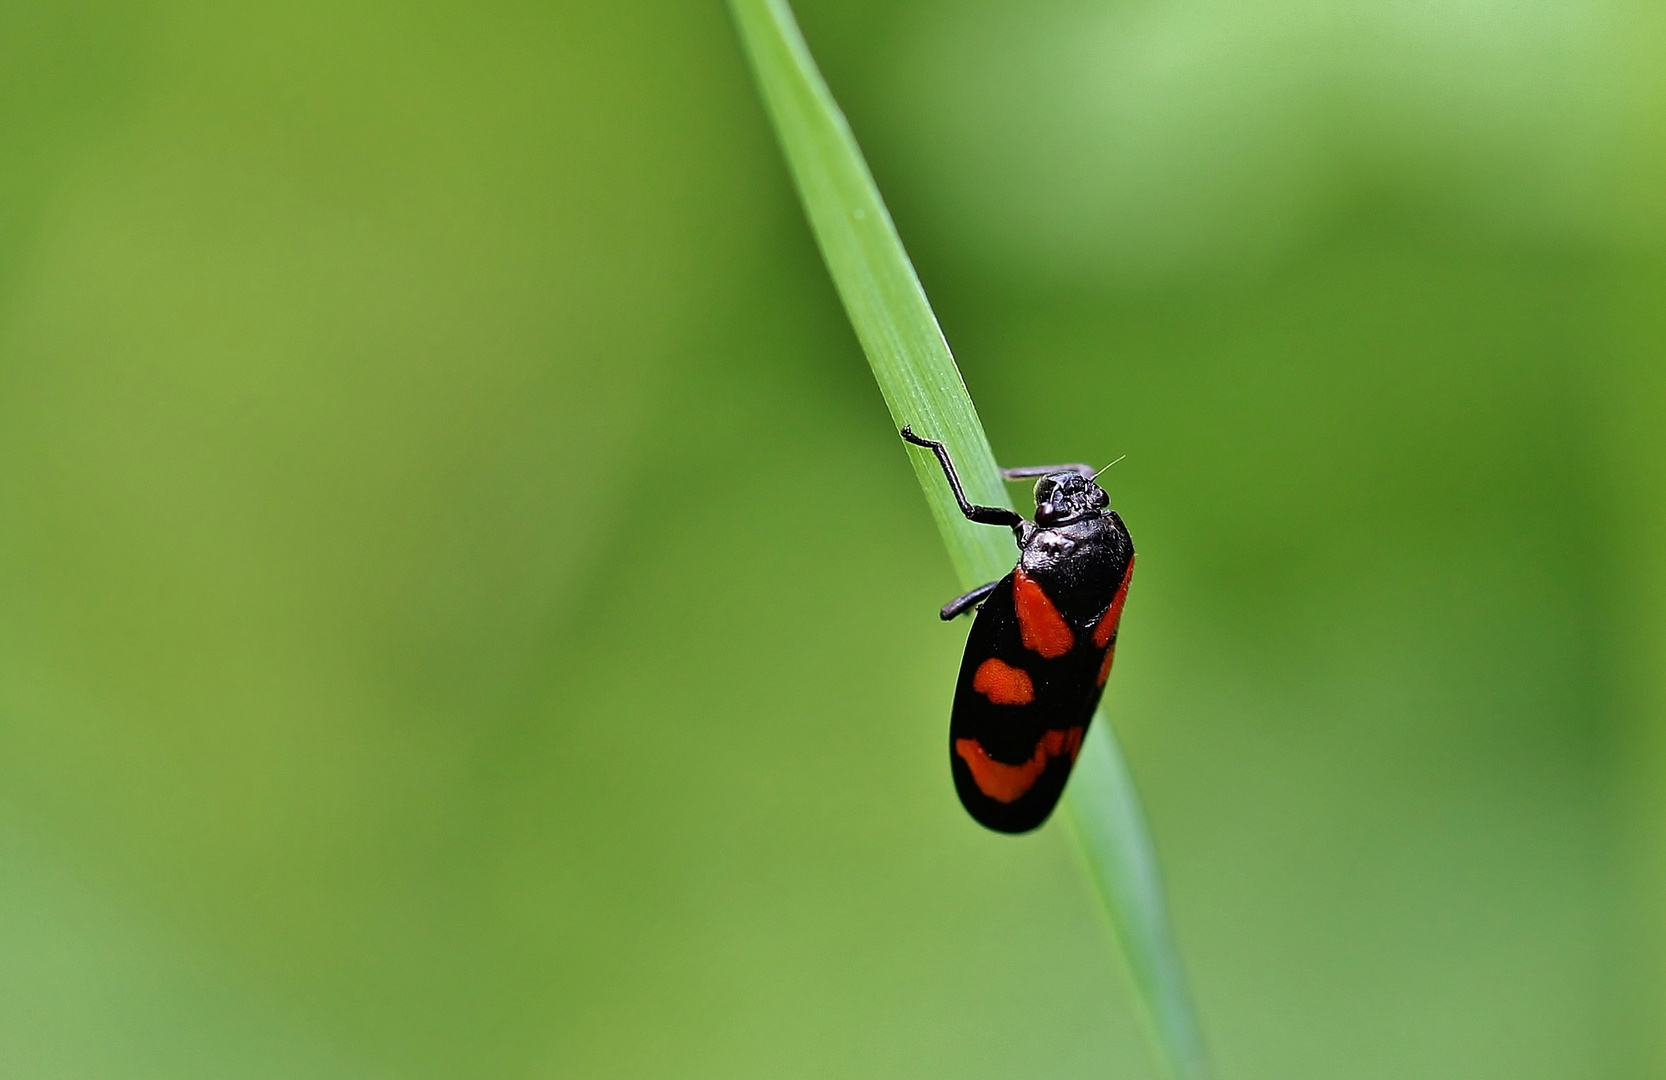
983,515
960,605
1024,472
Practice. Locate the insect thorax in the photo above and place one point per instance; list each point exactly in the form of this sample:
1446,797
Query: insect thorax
1080,564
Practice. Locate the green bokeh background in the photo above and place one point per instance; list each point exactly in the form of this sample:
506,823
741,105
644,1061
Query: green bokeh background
464,612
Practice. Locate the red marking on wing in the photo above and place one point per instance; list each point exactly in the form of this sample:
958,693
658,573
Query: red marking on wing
1105,668
1003,684
1039,622
1106,630
1008,783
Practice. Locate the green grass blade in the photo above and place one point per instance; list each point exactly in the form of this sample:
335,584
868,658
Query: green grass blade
876,281
923,388
1105,815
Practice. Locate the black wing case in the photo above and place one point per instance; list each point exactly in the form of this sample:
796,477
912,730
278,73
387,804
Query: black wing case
1019,718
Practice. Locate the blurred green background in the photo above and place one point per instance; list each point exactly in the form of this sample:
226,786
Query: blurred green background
464,610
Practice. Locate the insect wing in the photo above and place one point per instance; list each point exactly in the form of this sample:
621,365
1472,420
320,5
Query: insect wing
1019,716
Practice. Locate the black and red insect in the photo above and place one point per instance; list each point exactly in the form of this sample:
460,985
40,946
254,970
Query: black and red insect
1041,647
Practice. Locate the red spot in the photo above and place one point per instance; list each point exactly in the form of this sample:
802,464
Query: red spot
1003,684
1106,630
1039,622
1105,668
1008,783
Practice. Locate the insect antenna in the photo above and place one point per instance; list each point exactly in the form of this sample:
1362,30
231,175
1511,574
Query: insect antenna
1096,475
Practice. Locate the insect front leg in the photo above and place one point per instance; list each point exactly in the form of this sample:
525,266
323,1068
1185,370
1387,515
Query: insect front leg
983,515
960,605
1024,472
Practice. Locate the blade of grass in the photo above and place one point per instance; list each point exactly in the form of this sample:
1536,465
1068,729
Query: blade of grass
922,387
1105,816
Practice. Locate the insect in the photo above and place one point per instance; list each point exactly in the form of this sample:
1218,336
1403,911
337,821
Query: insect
1041,646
